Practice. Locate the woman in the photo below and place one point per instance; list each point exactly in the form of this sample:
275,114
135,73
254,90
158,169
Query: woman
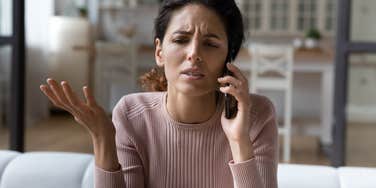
180,137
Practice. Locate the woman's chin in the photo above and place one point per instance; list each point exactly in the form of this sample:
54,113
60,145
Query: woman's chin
194,89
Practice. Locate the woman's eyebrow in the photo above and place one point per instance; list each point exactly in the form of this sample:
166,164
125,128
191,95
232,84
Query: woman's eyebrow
182,32
209,35
212,35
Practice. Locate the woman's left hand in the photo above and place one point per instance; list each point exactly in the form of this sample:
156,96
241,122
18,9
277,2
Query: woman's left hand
237,128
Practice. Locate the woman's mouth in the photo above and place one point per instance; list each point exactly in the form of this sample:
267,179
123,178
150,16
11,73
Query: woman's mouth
192,74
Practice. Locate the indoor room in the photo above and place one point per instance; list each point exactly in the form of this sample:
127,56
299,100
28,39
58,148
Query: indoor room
75,71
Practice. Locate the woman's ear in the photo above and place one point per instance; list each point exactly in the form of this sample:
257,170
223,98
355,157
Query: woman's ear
158,53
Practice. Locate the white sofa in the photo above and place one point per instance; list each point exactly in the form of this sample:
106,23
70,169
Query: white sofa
75,170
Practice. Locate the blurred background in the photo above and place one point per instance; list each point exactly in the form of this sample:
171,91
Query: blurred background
108,45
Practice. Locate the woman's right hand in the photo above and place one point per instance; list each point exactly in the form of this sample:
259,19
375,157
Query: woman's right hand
86,113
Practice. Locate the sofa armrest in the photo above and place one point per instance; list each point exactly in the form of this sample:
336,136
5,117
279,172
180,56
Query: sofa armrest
5,158
357,177
48,169
307,176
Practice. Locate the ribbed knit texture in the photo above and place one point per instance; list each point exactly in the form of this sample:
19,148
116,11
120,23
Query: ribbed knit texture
155,151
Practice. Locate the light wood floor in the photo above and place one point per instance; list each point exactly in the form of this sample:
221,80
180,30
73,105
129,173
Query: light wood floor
62,133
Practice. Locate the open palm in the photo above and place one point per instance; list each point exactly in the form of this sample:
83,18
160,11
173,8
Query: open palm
86,113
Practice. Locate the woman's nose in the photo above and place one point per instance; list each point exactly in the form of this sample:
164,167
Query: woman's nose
194,54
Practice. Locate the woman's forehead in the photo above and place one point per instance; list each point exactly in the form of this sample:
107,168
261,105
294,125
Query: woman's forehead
192,18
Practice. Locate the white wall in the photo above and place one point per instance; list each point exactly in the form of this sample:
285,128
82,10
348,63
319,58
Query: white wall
37,15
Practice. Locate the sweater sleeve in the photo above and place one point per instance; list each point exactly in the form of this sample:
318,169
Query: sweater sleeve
261,170
131,173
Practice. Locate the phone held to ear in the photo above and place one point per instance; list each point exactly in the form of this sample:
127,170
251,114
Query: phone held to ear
230,101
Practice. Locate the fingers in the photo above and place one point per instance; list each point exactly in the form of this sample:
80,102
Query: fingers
236,92
62,97
51,96
58,91
90,100
237,72
237,88
232,81
70,95
240,95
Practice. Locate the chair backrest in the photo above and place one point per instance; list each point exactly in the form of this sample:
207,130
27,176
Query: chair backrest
272,70
272,64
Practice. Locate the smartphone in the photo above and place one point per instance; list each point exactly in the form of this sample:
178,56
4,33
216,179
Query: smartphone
230,101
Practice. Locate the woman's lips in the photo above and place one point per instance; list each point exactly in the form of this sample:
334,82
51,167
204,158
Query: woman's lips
192,74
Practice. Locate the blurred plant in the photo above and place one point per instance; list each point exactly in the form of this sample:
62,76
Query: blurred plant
313,33
82,11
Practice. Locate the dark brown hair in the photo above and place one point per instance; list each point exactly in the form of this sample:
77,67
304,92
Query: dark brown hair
230,15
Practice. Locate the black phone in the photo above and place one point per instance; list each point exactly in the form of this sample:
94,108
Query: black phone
230,101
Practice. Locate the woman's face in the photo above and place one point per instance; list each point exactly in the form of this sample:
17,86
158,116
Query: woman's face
193,51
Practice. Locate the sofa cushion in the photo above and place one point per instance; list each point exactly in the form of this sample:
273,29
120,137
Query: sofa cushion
350,177
307,176
46,169
88,180
75,170
5,158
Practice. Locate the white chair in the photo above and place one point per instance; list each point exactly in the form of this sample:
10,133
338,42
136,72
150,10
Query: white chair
272,71
115,68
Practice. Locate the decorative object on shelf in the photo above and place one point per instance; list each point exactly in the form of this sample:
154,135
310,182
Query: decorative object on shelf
75,8
82,12
297,43
127,32
312,38
132,3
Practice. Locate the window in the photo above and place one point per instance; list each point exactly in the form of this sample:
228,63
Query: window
307,11
288,17
12,53
279,14
330,15
251,11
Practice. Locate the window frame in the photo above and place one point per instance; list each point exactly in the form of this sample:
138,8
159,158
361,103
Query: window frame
266,29
17,90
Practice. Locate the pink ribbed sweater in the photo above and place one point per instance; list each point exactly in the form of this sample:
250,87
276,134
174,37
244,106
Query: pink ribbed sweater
156,151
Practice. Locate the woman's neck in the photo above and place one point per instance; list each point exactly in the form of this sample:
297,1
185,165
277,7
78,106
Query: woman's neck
191,109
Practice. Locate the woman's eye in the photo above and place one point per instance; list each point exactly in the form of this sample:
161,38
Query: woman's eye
210,44
179,41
